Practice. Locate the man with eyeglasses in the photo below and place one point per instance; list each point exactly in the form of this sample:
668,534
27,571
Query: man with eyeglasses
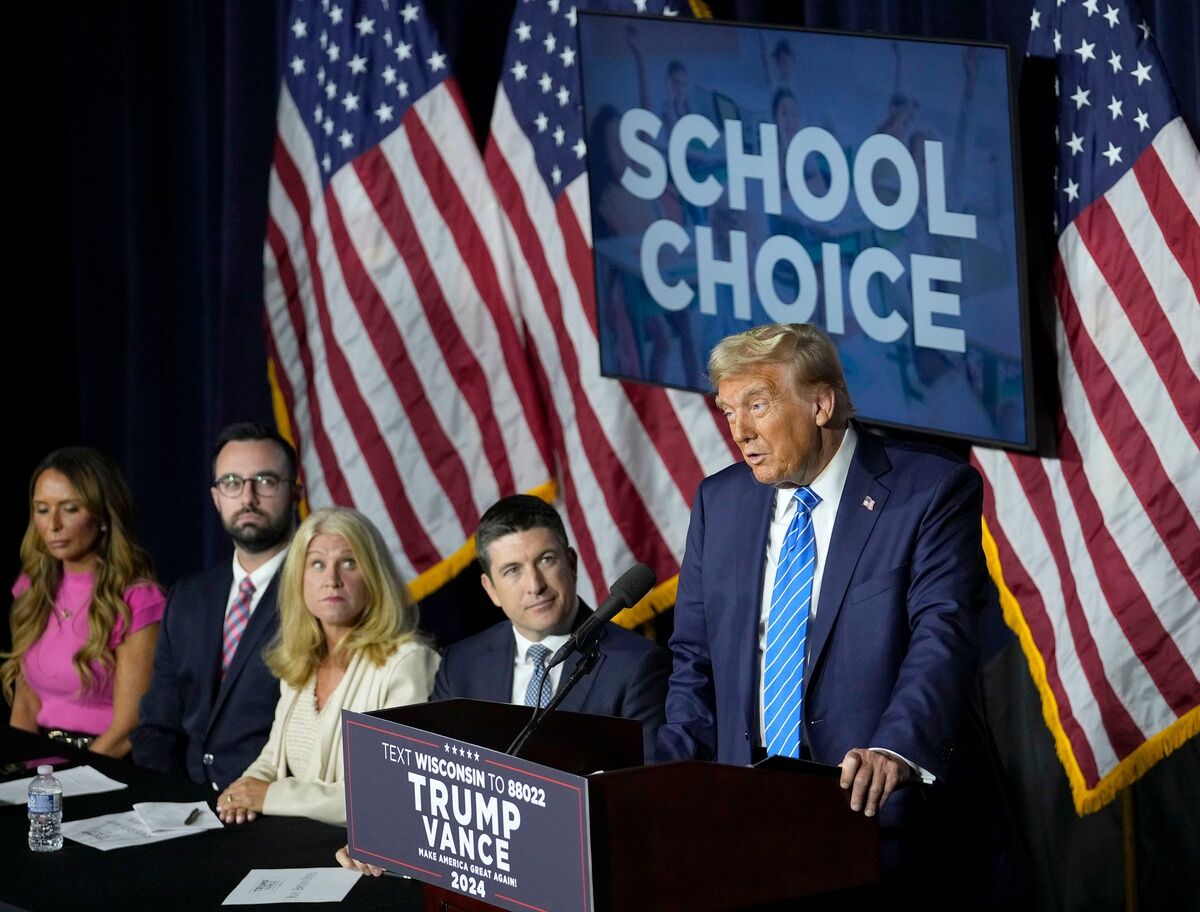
211,700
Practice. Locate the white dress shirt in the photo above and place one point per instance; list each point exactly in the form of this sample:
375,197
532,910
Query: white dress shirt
523,666
261,578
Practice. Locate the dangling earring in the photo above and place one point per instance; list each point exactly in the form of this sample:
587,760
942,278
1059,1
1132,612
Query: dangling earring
103,527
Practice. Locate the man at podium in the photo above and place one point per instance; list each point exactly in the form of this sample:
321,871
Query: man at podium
827,609
529,573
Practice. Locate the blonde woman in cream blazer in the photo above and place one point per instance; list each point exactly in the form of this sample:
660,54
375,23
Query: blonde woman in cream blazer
347,640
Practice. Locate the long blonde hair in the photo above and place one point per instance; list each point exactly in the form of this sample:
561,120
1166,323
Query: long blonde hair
388,619
120,563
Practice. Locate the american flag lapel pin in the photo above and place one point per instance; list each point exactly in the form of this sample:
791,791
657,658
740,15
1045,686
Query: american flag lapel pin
869,502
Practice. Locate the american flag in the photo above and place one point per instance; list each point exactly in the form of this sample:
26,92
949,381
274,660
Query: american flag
1097,551
629,456
391,316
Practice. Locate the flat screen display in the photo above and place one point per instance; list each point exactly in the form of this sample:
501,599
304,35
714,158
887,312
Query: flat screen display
741,175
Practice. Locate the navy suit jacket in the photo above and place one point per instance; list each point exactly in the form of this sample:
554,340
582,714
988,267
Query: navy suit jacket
191,721
629,681
893,650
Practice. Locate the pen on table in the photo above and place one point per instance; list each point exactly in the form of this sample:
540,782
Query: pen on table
192,817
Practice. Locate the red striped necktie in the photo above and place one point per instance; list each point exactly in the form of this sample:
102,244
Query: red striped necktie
235,623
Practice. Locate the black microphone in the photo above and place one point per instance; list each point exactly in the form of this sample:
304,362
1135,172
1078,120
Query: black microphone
628,590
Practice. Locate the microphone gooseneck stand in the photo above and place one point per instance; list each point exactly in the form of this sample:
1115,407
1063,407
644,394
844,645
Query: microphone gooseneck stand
586,664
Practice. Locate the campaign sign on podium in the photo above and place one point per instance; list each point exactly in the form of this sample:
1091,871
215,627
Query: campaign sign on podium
466,818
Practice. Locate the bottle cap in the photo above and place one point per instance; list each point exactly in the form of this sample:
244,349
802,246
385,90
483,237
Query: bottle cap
45,769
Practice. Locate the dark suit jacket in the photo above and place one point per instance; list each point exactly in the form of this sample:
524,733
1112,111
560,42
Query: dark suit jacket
190,719
629,681
893,650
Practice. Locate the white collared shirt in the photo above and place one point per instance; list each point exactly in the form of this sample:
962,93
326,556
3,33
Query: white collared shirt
261,578
523,666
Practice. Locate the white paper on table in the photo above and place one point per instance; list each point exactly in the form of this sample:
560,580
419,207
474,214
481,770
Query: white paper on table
274,885
78,780
118,831
168,816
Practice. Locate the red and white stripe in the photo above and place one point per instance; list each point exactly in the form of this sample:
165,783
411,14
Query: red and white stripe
391,319
1101,546
630,456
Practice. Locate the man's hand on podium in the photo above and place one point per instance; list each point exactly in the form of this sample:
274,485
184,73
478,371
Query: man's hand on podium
872,776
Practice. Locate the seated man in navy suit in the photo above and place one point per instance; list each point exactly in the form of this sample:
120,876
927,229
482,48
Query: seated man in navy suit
211,699
529,573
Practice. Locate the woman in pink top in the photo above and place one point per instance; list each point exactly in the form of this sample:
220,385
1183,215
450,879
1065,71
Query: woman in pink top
86,608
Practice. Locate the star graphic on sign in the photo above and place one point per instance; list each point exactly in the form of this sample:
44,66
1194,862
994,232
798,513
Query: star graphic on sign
300,28
641,5
437,61
328,126
1057,41
563,95
1114,61
345,139
1081,97
1112,16
1145,30
324,38
572,18
541,122
358,64
546,83
1112,153
518,70
1075,144
326,163
410,13
1085,51
350,102
567,56
1091,7
522,31
553,4
550,43
1115,107
387,37
1072,191
559,135
389,75
365,27
318,115
1142,120
580,148
403,51
556,175
1035,20
297,66
335,15
334,53
402,89
1142,73
383,112
331,90
321,76
446,747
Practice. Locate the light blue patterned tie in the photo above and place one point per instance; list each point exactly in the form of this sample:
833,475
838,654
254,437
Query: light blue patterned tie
787,630
538,691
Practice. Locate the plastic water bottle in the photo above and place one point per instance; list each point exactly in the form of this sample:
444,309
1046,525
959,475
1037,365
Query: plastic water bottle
45,811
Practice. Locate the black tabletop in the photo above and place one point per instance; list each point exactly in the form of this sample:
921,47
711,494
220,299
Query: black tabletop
194,872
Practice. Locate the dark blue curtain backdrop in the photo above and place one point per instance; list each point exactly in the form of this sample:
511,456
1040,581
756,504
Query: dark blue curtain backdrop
140,138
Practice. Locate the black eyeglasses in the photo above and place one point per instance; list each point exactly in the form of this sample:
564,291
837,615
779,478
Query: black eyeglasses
263,484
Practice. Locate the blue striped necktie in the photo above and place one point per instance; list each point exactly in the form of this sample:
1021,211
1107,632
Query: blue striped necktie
538,691
787,631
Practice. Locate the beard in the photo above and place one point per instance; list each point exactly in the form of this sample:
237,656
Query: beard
257,539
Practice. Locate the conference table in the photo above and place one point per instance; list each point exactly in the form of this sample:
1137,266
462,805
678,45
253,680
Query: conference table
192,872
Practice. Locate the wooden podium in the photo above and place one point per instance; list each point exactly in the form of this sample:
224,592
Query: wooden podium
683,835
